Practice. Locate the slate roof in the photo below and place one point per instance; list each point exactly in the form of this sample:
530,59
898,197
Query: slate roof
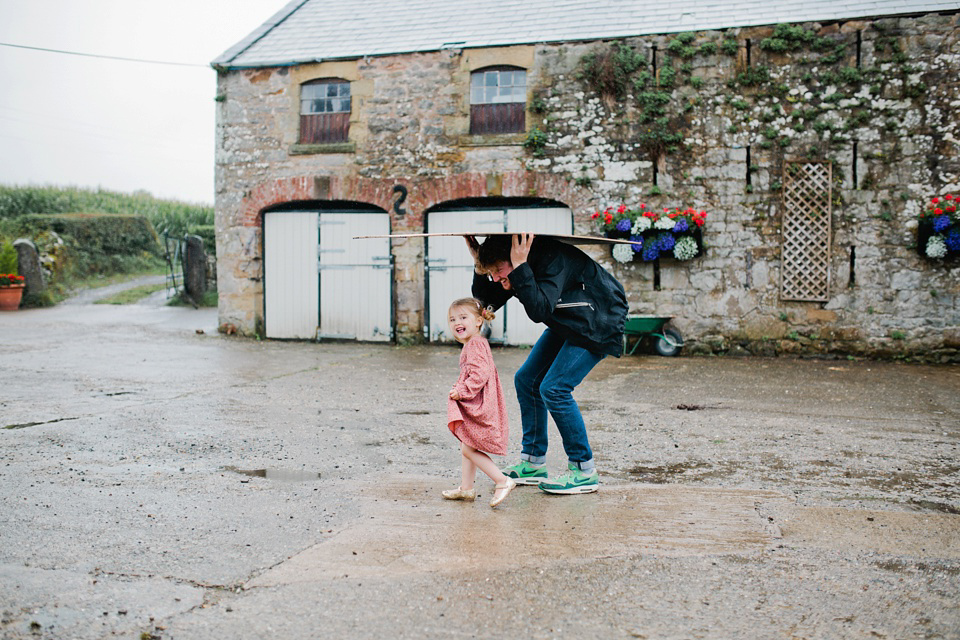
313,30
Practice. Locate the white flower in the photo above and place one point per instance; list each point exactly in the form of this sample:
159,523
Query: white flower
936,247
686,248
664,223
642,224
624,252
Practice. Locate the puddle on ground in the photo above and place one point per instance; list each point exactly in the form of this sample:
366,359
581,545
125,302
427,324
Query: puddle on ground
693,470
282,475
404,527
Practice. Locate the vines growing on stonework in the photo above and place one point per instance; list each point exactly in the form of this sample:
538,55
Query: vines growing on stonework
811,94
656,116
820,92
607,71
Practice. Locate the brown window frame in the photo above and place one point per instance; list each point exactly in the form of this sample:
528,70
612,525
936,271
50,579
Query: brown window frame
325,115
491,110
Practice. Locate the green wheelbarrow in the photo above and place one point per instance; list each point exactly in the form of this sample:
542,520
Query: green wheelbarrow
668,342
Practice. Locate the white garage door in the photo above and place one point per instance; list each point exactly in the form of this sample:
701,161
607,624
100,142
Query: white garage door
320,283
355,277
291,283
450,269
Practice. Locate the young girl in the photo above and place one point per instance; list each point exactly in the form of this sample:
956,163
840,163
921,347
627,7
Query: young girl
476,413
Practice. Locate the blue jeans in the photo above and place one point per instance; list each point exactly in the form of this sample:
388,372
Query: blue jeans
546,382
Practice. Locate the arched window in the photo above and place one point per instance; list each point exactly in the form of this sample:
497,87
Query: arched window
498,100
324,111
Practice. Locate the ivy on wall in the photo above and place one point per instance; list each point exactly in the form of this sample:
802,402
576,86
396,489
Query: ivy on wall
809,94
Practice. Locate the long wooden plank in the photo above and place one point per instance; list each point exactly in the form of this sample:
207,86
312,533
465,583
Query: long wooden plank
569,239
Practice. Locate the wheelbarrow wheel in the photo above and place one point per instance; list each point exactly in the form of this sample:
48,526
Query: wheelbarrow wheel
670,343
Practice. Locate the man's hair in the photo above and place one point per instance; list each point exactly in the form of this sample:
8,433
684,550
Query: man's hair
493,250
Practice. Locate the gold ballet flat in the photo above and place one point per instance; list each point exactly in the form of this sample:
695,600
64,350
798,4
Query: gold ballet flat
459,494
503,490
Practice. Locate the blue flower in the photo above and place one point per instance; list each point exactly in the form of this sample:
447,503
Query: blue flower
953,239
637,243
941,222
625,225
666,241
681,226
650,250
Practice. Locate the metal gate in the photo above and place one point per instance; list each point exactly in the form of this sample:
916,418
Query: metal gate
320,283
450,269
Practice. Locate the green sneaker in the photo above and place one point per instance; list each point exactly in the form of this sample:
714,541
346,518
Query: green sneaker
573,481
526,473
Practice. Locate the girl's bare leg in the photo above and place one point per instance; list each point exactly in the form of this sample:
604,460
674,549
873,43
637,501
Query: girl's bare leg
468,470
481,461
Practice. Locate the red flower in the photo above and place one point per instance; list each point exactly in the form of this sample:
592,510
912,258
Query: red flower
935,200
937,211
595,216
621,208
951,208
948,197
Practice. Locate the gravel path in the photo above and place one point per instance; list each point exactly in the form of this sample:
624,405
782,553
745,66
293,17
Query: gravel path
90,296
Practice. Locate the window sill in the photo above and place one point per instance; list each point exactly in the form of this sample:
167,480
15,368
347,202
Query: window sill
331,147
493,140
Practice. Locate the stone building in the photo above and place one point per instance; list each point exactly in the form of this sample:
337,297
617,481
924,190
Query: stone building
812,134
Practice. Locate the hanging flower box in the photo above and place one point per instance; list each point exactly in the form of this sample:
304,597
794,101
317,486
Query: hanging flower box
676,233
938,232
11,291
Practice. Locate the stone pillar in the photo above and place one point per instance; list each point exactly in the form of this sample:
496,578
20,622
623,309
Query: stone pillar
29,265
195,268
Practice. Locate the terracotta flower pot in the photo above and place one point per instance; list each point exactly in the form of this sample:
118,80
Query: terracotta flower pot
10,297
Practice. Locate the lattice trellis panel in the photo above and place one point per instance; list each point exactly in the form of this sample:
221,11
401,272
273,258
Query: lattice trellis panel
805,248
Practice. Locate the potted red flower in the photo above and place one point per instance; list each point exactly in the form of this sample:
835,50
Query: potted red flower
11,284
11,291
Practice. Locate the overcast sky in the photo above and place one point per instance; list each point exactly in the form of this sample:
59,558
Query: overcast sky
68,120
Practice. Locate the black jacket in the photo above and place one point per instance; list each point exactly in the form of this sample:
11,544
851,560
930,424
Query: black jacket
562,287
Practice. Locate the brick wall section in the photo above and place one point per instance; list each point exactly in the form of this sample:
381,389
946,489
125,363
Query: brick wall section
409,125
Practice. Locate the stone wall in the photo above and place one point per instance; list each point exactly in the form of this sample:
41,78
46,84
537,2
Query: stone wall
875,98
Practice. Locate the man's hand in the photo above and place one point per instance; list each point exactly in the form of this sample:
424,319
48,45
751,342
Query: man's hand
474,248
520,249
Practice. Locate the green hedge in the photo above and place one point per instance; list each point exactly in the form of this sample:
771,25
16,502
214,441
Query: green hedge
174,216
95,244
105,233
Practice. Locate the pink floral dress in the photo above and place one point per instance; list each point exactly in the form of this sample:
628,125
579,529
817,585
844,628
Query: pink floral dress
479,417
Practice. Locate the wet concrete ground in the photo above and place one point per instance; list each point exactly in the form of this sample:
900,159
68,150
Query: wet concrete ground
160,482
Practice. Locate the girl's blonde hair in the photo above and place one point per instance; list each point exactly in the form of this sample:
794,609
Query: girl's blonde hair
475,307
